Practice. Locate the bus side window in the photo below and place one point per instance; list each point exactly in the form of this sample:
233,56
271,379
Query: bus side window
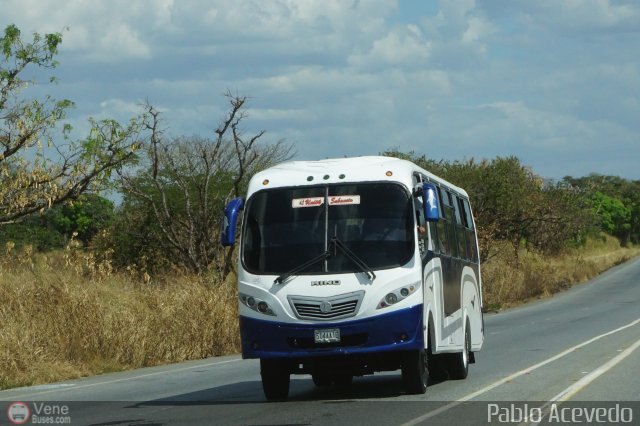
455,203
450,224
424,228
463,240
466,213
442,229
433,231
421,223
463,245
471,233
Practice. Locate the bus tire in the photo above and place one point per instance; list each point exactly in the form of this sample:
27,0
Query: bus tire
275,379
458,363
414,371
437,363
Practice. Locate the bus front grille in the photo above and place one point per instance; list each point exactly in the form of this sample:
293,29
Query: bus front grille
326,308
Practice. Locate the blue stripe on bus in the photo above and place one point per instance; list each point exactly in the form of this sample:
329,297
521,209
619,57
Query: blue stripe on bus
395,331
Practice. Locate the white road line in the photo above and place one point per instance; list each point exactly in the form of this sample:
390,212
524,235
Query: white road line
582,383
569,392
124,379
514,375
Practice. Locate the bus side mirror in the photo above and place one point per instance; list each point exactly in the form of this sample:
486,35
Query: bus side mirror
231,212
430,202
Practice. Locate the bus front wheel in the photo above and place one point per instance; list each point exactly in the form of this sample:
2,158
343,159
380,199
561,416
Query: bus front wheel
275,378
414,372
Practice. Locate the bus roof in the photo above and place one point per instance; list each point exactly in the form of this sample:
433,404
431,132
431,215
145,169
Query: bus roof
341,170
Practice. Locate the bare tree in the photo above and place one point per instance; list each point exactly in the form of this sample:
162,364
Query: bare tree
186,181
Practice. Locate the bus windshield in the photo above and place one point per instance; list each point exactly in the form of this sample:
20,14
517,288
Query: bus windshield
286,227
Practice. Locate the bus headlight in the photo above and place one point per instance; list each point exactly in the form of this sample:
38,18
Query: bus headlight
256,304
396,296
391,299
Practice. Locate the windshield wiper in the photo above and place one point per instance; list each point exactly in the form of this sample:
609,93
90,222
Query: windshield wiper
302,267
354,258
325,255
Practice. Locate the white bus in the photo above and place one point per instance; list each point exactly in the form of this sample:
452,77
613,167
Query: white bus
356,265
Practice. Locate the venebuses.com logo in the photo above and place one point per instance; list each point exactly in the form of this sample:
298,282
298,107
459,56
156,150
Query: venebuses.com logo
18,413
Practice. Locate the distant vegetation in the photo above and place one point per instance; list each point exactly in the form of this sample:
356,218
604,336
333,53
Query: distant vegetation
88,286
614,202
538,236
174,188
41,163
513,204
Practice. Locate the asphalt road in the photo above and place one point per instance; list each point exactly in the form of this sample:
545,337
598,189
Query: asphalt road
576,354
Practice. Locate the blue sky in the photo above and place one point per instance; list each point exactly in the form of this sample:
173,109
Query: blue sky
556,83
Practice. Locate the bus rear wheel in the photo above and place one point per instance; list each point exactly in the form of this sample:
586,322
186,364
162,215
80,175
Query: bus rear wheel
458,363
414,372
437,363
275,378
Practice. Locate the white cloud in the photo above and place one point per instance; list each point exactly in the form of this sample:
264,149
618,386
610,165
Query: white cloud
459,27
101,31
529,126
452,79
310,82
598,14
120,42
582,15
477,30
122,29
282,115
401,46
120,109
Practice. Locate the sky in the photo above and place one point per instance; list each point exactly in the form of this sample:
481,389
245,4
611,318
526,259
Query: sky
555,83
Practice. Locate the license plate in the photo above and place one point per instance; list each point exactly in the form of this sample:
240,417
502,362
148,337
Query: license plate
329,335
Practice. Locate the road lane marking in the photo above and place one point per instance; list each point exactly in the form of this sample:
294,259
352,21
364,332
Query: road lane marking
51,386
515,375
569,392
108,382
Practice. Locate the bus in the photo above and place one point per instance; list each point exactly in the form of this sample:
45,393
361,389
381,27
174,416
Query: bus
353,266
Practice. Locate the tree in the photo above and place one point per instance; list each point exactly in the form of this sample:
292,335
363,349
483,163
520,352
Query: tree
34,231
82,218
511,203
615,217
615,201
182,184
40,165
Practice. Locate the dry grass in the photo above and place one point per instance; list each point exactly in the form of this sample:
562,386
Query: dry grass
67,315
509,282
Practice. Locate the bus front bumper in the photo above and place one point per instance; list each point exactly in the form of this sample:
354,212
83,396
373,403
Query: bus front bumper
396,331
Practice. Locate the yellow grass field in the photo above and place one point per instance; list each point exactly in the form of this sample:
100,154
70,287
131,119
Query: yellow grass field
61,321
66,314
509,282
